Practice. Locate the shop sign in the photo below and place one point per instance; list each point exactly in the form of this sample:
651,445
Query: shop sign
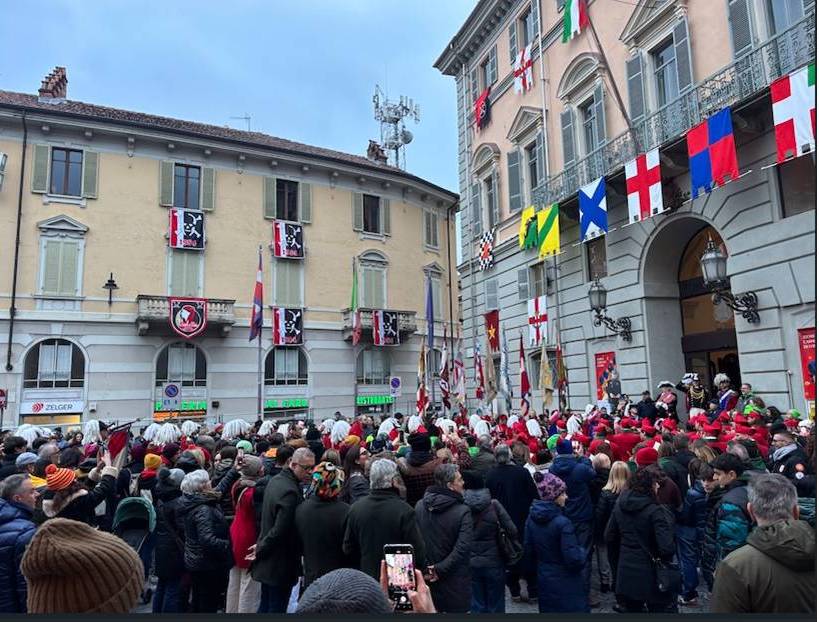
183,405
45,407
288,402
807,354
373,400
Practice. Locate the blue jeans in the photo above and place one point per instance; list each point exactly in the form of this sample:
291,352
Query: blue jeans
166,597
274,598
488,590
688,554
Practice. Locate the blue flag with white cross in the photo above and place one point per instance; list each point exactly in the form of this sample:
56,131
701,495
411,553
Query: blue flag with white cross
594,220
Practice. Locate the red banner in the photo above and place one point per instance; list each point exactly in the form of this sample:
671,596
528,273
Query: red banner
807,353
604,363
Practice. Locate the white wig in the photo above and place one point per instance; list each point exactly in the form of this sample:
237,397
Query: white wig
327,425
387,426
91,431
533,427
446,425
234,428
189,428
588,409
473,420
720,378
284,430
414,423
512,420
341,430
29,432
268,427
167,433
150,432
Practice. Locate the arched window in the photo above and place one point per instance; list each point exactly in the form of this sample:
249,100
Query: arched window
285,367
54,363
182,362
373,366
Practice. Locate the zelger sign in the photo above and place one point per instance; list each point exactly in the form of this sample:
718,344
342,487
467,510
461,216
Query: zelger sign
43,407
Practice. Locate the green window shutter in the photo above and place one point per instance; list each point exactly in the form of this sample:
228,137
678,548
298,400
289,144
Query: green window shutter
294,285
358,211
386,227
177,283
540,154
69,259
39,171
437,310
90,168
282,283
513,172
742,34
166,183
535,21
306,196
495,207
513,41
523,284
193,261
51,267
473,84
208,194
492,72
269,199
567,132
379,287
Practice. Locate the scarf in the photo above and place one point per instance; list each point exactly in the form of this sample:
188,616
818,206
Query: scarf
784,451
147,474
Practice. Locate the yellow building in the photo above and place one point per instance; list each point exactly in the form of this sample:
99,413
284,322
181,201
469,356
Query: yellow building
87,269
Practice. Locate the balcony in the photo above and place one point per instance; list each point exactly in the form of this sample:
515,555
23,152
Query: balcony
153,316
406,324
741,81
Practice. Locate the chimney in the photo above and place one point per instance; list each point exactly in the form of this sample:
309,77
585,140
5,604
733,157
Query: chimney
376,153
55,86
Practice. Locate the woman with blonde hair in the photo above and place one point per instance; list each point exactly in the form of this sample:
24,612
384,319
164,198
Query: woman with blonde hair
703,451
619,475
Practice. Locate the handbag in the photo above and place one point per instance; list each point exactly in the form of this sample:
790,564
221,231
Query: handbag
667,575
511,549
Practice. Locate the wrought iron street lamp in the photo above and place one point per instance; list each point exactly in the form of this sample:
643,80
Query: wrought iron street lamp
714,265
110,285
597,301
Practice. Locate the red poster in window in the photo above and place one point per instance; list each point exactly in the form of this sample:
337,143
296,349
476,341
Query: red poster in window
604,364
807,353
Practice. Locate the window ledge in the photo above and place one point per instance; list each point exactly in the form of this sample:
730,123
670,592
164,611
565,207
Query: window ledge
66,200
56,297
364,235
432,249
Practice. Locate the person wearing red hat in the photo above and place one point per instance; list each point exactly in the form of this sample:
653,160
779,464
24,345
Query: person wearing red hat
626,438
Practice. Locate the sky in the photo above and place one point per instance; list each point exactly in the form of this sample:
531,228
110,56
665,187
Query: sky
303,70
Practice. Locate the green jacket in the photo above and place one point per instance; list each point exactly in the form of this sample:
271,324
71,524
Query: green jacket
775,572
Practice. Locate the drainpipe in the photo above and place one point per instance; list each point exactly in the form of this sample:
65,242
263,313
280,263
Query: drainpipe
449,270
13,307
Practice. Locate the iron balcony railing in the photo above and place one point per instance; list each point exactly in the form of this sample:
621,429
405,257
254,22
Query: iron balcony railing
746,76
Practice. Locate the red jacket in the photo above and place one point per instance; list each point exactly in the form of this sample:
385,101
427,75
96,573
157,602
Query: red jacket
625,441
243,528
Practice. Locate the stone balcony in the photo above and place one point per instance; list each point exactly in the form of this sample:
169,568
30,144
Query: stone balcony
153,316
407,324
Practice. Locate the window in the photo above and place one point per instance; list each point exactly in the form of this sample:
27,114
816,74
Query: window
182,362
373,366
596,258
372,214
66,172
437,297
288,277
186,186
588,117
528,24
665,73
285,367
538,282
434,358
186,273
491,295
491,201
431,229
784,13
61,267
532,166
3,159
797,185
287,200
534,367
52,364
373,287
488,69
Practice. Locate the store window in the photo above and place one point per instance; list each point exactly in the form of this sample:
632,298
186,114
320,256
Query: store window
285,367
184,363
52,364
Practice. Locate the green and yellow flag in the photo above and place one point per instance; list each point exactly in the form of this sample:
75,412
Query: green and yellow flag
541,230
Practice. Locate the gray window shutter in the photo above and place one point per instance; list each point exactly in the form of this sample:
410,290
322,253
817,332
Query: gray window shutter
682,52
90,166
476,208
493,65
192,265
51,267
495,207
567,133
306,195
513,41
358,211
379,287
491,299
39,172
513,172
166,183
208,195
600,114
540,154
636,95
294,283
269,198
535,21
69,261
523,284
473,84
739,17
386,226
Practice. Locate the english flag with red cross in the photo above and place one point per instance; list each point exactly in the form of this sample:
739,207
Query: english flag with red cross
644,186
794,111
538,319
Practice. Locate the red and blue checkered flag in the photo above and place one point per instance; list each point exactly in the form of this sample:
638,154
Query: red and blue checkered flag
712,154
257,319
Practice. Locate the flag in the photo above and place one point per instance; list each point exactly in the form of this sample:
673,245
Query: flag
459,381
186,229
443,376
430,312
522,70
794,112
479,382
288,240
118,439
385,328
594,220
486,254
505,382
287,326
525,389
483,109
354,310
538,318
541,230
492,320
491,379
575,18
257,319
712,154
562,374
421,396
546,381
644,186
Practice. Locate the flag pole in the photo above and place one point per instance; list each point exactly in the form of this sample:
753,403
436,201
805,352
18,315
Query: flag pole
431,339
259,362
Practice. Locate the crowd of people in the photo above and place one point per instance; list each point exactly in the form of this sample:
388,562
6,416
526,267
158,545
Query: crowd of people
661,510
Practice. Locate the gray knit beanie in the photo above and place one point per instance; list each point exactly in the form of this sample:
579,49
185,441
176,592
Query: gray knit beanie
344,591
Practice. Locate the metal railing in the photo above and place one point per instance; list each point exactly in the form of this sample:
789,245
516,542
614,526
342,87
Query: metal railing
746,76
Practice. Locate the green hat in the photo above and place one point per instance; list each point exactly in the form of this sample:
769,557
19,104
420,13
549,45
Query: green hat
551,442
244,445
403,451
432,440
794,414
473,451
369,439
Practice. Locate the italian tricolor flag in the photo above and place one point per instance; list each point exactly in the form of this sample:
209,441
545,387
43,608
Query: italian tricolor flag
794,113
575,18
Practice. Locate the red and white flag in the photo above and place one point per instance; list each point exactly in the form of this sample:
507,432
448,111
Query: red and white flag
794,112
538,319
522,70
480,387
385,328
525,388
443,376
421,395
459,380
644,186
287,326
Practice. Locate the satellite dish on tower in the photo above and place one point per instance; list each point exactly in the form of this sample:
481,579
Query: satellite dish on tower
394,135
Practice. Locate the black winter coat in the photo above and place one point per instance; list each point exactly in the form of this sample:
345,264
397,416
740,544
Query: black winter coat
710,552
169,551
8,466
380,518
514,488
646,408
278,554
355,487
483,462
207,539
640,528
321,525
486,552
16,531
81,505
445,522
602,513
